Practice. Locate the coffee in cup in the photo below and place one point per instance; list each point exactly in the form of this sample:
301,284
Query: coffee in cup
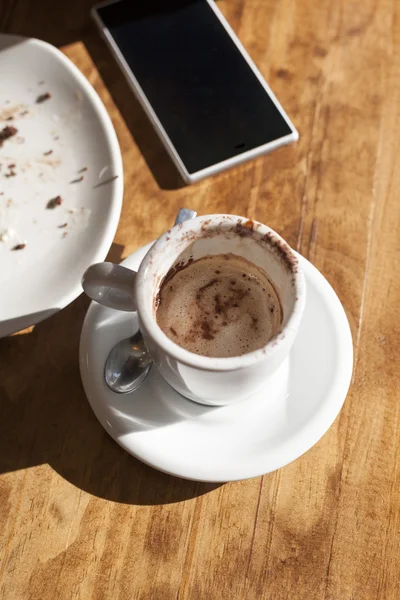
219,306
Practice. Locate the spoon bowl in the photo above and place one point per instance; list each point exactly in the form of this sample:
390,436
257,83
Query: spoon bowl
127,365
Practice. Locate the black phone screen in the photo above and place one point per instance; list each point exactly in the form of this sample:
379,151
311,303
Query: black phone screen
209,101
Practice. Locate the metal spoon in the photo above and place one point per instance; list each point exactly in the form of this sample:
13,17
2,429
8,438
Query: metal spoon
129,362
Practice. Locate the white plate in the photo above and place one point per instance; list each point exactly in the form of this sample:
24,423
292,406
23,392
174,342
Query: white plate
243,440
73,123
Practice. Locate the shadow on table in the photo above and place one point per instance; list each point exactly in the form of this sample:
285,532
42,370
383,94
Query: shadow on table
58,23
46,418
153,151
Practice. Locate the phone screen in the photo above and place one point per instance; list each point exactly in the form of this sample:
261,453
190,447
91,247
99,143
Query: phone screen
209,101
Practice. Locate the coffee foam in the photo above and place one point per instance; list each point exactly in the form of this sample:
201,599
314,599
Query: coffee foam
219,306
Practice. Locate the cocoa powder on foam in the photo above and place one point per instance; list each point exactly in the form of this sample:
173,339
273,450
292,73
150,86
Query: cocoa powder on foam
219,306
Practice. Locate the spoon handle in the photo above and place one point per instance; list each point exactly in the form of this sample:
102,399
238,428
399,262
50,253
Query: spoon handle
185,214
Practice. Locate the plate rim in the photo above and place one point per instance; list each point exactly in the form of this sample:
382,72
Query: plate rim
107,234
304,438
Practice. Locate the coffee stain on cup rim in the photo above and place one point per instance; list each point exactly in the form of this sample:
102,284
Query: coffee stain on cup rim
245,228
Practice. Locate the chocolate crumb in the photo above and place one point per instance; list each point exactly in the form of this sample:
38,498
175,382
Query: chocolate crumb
244,229
12,166
62,226
272,309
6,133
206,329
43,98
11,118
10,174
173,331
204,287
54,202
78,180
83,170
48,153
19,247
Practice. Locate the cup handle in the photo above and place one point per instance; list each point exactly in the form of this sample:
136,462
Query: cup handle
110,285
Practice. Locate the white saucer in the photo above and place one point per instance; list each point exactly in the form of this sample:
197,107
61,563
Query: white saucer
244,440
56,139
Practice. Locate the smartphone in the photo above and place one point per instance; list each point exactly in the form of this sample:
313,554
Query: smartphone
200,89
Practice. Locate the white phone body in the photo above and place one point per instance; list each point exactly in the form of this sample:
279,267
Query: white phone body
169,146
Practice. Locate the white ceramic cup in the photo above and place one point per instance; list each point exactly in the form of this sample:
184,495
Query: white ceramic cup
212,381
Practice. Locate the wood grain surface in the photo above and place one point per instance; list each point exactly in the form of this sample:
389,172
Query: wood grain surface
80,518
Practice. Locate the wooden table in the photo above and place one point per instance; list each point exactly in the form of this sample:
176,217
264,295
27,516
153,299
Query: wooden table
80,518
